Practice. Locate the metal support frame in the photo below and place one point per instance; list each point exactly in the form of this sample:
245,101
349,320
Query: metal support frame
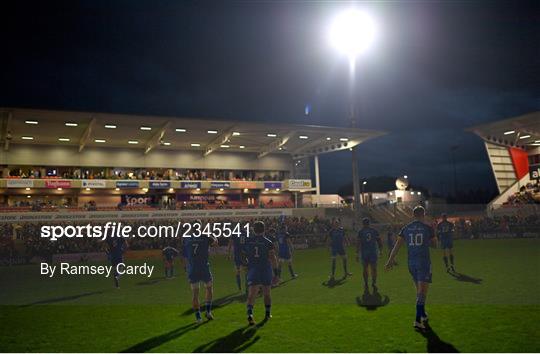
87,134
218,141
155,140
276,144
317,180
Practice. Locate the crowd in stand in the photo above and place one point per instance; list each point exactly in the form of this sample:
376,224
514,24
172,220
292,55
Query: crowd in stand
25,239
528,194
49,205
506,223
142,174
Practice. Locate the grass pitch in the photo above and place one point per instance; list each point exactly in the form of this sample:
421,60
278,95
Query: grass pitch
494,307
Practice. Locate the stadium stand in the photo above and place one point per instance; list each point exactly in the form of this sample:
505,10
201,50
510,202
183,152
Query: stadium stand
22,241
528,194
513,148
85,161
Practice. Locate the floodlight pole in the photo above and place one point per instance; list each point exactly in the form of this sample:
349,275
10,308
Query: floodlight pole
354,155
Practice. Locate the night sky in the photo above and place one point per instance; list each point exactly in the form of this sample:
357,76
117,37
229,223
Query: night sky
436,68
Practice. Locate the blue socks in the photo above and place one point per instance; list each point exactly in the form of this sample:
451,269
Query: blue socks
208,306
420,306
267,309
198,314
333,266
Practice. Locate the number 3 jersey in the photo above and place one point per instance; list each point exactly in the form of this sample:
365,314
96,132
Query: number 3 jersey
417,237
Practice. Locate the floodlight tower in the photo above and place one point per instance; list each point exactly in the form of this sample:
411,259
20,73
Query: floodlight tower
352,33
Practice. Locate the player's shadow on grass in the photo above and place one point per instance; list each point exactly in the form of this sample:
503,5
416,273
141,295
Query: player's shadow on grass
466,278
283,282
372,301
63,298
221,302
333,283
235,342
156,341
435,344
152,281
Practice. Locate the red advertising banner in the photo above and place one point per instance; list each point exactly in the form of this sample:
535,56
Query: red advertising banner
245,184
520,160
55,183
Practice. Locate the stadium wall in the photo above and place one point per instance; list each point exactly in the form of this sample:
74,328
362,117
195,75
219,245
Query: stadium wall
41,155
104,216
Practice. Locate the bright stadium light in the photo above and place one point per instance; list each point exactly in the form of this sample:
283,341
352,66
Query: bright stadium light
352,32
